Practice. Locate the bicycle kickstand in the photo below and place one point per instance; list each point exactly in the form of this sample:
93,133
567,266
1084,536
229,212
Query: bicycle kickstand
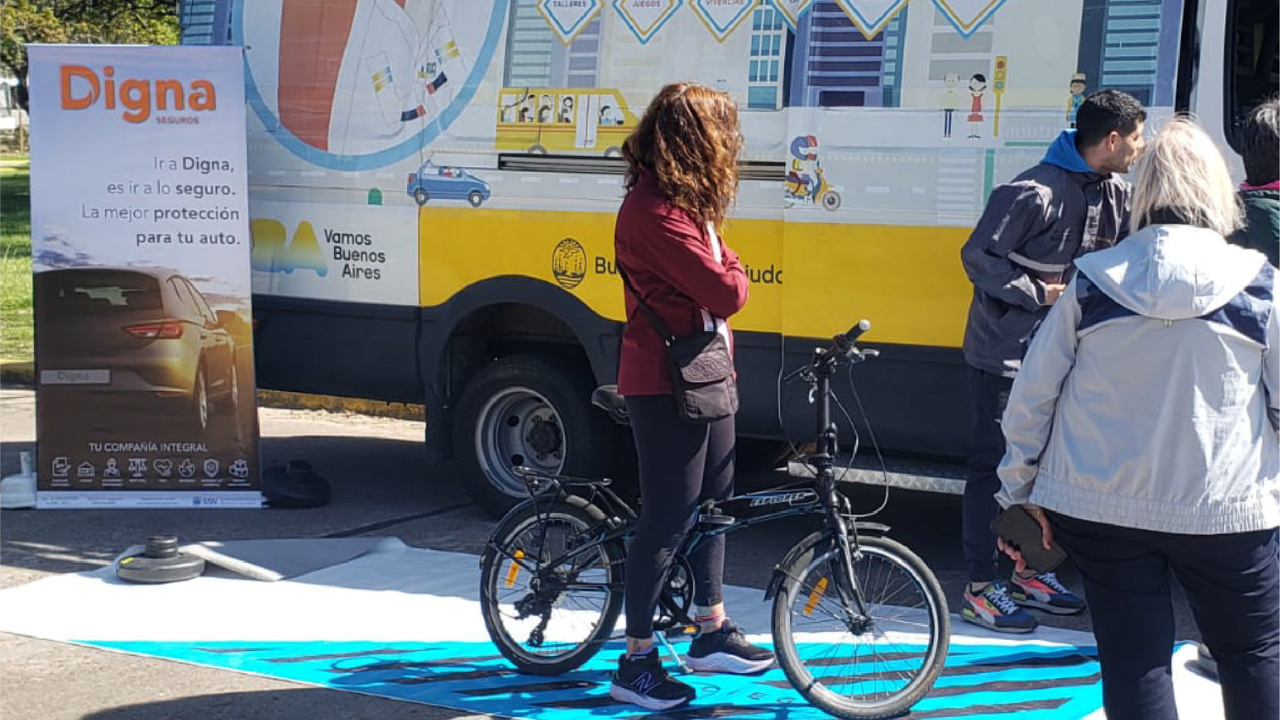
662,637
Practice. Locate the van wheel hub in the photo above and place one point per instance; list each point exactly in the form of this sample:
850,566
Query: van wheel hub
518,426
544,437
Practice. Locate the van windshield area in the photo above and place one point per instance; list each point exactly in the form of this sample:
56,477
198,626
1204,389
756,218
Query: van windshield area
97,293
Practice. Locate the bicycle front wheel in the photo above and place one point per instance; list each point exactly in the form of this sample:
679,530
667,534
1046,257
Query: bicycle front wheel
545,616
861,667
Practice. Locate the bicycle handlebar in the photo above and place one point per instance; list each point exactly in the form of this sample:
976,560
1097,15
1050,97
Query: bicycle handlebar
842,347
845,342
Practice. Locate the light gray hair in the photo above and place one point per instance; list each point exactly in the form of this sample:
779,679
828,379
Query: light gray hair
1183,171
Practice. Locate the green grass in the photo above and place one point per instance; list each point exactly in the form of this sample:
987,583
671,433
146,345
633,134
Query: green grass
15,261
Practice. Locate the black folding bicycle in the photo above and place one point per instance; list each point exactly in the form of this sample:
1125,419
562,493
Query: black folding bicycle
860,624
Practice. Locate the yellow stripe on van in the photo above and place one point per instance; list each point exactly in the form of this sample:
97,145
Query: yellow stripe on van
809,279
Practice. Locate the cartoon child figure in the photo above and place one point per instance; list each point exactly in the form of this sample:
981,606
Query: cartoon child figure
566,110
950,101
977,88
1077,97
610,116
544,109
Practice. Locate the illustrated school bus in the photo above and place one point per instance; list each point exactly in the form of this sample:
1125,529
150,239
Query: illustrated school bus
871,146
556,120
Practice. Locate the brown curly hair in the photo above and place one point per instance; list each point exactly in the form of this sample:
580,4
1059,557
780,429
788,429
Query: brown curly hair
689,140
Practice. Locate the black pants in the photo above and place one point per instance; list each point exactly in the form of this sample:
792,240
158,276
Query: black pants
681,465
988,395
1233,585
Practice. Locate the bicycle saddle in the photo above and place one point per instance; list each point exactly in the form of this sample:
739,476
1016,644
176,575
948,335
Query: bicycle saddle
606,398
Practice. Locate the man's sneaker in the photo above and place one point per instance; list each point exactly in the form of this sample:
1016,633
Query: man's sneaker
1044,592
726,650
643,681
994,609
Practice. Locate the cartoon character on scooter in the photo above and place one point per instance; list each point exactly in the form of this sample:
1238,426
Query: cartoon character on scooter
805,182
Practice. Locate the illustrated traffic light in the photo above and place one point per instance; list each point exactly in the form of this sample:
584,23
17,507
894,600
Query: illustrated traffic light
1002,65
997,87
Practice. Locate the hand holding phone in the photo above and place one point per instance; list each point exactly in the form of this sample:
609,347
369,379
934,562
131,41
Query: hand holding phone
1023,533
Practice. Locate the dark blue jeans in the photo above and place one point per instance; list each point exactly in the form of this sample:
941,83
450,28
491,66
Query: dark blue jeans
988,395
1233,585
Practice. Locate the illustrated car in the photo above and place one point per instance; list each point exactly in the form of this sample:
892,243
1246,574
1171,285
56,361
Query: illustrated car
139,334
436,182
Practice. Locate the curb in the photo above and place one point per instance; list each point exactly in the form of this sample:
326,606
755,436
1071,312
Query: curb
331,403
16,374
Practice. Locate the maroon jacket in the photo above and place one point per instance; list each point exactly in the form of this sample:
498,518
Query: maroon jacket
668,255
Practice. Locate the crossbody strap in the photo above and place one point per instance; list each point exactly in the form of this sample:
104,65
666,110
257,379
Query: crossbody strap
658,325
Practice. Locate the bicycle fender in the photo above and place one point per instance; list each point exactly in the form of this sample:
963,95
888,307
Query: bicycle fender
810,542
515,513
806,544
871,528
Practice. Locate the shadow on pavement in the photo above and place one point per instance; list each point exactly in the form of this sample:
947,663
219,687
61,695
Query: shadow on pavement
300,702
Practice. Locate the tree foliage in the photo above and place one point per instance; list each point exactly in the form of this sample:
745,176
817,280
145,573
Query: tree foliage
146,22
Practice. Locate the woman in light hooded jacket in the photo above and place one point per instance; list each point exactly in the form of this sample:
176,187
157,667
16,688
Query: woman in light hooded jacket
1142,434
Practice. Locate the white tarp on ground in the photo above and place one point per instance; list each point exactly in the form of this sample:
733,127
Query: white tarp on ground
392,595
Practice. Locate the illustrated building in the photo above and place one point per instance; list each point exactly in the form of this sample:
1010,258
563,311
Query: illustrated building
836,66
537,58
1120,43
767,72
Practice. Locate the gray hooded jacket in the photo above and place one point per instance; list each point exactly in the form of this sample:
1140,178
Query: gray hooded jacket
1143,400
1029,233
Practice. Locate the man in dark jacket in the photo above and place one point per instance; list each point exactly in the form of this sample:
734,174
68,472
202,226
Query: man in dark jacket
1260,193
1019,260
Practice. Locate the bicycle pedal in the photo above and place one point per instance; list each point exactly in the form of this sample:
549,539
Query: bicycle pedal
680,632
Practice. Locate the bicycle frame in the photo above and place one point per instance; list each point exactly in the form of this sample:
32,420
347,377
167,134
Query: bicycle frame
714,518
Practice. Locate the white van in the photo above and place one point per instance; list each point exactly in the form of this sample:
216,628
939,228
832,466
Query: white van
874,132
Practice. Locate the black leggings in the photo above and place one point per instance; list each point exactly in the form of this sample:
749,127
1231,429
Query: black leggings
681,465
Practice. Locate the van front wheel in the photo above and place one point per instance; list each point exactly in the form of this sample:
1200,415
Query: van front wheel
526,410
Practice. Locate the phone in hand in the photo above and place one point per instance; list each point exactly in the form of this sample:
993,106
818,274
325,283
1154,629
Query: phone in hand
1017,528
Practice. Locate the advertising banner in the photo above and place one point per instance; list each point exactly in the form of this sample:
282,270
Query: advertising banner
140,255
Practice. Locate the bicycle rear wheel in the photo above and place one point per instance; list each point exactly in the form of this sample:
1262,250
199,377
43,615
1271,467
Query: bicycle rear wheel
550,619
877,670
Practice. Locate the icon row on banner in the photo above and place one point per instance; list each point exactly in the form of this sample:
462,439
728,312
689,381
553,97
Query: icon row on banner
137,468
644,18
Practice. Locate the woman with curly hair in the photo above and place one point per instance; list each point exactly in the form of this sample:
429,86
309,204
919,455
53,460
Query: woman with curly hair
682,175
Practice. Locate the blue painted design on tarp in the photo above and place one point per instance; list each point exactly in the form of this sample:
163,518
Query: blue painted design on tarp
980,681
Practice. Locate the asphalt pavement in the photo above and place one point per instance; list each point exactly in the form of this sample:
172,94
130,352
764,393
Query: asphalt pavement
381,487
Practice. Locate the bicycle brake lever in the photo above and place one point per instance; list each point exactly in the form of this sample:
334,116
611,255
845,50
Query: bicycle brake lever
870,352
